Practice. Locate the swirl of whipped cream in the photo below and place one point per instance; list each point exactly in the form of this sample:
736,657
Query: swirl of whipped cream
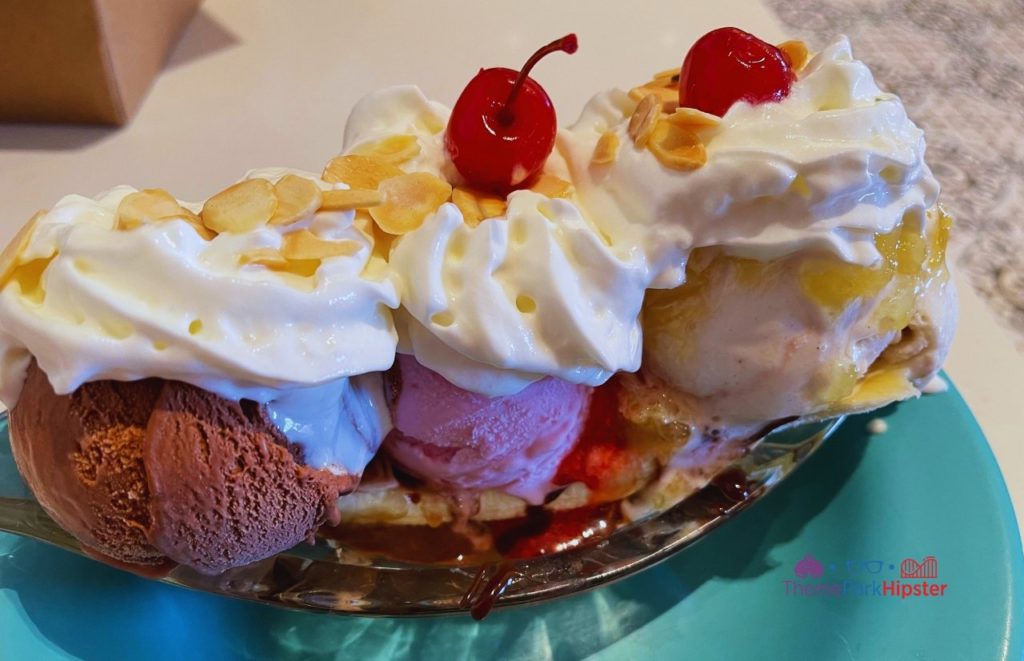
825,169
533,293
159,301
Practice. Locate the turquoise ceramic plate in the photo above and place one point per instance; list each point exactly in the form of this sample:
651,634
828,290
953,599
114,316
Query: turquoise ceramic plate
858,512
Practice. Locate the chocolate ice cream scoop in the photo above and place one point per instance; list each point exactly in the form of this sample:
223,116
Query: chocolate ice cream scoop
151,470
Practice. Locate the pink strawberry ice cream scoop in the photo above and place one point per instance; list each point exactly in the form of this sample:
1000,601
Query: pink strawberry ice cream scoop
459,439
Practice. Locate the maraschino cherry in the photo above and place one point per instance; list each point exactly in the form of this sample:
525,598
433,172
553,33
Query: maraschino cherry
502,128
729,65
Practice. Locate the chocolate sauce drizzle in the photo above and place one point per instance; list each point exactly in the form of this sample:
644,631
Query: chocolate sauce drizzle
487,587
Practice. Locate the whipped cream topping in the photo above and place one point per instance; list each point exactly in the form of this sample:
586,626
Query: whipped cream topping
159,301
824,169
551,288
530,294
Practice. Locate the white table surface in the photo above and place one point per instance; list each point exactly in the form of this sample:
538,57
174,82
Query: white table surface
257,83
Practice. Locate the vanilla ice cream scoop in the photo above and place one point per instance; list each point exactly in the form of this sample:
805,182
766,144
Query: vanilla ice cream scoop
800,257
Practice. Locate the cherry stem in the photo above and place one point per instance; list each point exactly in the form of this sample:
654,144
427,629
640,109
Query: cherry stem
567,44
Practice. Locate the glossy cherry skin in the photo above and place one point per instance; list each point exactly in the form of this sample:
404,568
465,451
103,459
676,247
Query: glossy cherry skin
729,65
494,149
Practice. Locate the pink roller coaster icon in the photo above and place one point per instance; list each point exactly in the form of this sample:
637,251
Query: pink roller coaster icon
927,568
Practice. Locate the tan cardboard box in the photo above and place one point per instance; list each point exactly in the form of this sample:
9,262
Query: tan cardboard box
88,61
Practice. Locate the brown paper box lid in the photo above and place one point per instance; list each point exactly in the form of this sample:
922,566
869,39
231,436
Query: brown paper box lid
88,61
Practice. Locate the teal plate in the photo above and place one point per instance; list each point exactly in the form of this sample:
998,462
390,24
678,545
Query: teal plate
802,574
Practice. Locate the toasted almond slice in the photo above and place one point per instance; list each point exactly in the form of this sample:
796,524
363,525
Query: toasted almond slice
189,216
469,206
668,96
360,171
492,207
642,122
202,230
693,119
193,219
476,205
268,257
379,239
796,53
396,149
10,258
672,74
297,198
303,245
676,148
354,198
408,200
240,208
607,149
364,223
551,186
144,206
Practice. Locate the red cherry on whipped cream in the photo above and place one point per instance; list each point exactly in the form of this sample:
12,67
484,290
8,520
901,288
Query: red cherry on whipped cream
503,126
729,65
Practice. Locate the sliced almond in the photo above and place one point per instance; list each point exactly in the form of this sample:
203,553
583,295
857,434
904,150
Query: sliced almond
408,200
360,171
364,223
395,149
144,206
379,239
304,245
492,207
551,186
468,205
297,198
643,119
675,147
665,86
693,119
241,208
672,75
476,205
607,149
189,216
668,96
268,257
202,230
354,198
196,223
796,53
10,258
